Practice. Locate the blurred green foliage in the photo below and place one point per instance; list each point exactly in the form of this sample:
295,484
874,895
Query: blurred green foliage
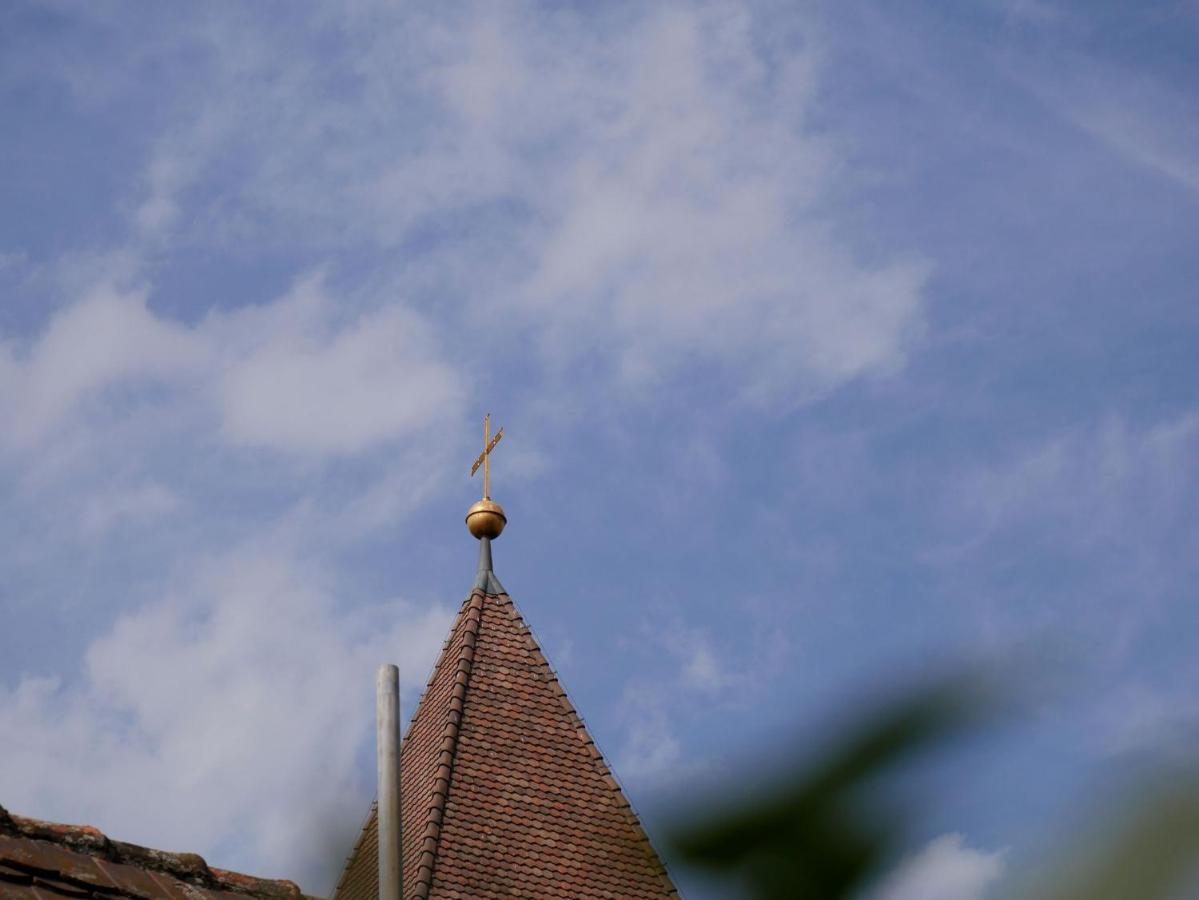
821,831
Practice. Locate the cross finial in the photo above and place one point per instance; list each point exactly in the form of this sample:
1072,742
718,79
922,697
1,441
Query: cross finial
486,518
484,458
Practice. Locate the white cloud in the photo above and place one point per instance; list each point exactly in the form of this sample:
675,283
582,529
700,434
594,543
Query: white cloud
298,375
106,339
702,669
661,199
334,390
946,869
224,718
682,226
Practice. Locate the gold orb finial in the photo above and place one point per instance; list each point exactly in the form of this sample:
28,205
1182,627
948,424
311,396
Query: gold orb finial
486,518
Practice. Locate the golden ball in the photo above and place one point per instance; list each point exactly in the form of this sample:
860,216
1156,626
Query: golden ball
486,519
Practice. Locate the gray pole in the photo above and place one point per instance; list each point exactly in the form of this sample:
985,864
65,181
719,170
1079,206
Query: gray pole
387,703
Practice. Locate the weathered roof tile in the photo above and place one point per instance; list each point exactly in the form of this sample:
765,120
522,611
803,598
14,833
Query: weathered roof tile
45,860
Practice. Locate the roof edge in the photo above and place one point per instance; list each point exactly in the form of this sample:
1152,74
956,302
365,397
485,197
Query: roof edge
187,867
431,836
597,757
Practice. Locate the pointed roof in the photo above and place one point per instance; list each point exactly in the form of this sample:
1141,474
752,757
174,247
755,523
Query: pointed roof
504,792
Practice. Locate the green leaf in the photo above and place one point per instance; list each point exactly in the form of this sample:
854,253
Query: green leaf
810,836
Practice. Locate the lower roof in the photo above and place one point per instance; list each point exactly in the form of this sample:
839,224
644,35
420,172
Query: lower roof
41,860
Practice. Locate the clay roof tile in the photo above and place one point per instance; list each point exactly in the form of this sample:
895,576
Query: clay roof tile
504,792
42,860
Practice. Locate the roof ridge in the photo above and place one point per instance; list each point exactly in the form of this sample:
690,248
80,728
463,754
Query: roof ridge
431,836
187,867
620,799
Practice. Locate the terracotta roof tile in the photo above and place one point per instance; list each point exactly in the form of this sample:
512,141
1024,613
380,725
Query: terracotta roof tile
46,860
504,792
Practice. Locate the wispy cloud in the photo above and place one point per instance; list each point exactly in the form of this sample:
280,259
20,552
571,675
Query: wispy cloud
1158,722
1145,120
1106,511
138,503
664,199
1093,489
691,671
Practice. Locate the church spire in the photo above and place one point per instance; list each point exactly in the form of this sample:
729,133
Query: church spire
504,792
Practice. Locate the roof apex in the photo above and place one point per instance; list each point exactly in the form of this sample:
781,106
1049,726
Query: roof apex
504,791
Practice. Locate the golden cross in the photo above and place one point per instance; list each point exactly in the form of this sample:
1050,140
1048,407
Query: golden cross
484,459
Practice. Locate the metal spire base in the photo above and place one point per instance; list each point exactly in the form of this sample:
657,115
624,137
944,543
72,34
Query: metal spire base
485,579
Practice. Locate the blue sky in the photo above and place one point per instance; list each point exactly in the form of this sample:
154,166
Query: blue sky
833,343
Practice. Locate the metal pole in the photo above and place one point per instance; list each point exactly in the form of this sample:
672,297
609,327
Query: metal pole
387,720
